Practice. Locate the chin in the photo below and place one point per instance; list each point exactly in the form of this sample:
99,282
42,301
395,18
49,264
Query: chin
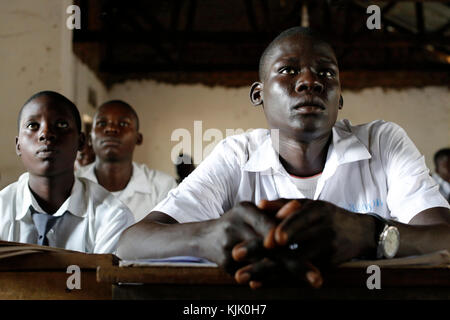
112,158
309,130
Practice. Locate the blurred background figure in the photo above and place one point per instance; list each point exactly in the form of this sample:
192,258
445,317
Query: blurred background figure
442,174
185,167
86,155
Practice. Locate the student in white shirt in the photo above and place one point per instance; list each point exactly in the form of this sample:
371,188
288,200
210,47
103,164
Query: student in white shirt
231,210
114,136
442,175
48,205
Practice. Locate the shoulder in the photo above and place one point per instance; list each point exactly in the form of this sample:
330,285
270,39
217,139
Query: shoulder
16,187
373,127
99,198
9,191
11,198
246,140
152,174
241,146
377,130
107,209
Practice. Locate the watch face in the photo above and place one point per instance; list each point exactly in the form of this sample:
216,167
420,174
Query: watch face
391,242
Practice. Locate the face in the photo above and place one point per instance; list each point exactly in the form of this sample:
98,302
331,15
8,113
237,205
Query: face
48,138
301,90
114,134
443,167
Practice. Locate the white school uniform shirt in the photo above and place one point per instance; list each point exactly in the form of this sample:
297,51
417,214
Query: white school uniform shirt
372,167
92,219
444,186
146,188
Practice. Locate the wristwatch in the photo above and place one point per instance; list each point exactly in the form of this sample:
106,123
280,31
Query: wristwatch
388,238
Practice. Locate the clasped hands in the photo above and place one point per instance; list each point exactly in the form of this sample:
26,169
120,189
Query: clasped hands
289,240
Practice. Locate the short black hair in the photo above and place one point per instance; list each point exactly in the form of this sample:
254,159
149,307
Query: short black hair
287,33
440,154
58,97
124,104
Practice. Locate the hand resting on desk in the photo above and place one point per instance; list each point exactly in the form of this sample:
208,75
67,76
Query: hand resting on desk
253,242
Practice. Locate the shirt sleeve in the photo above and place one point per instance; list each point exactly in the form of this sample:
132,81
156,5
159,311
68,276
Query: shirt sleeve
411,189
208,191
168,185
110,225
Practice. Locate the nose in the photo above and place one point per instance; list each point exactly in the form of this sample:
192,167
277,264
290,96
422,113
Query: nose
111,128
308,81
47,133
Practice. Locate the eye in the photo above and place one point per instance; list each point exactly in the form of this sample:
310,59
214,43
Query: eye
100,123
328,73
62,124
124,124
288,70
32,126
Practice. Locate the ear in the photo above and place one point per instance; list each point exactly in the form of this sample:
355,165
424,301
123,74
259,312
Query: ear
89,140
140,139
341,102
18,152
81,141
256,96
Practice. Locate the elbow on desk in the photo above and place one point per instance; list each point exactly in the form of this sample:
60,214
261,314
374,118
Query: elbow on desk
125,248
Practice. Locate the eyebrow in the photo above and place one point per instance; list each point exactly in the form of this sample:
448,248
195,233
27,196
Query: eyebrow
103,117
328,60
126,118
293,60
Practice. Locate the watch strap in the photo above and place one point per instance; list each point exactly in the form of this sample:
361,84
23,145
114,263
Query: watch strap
381,224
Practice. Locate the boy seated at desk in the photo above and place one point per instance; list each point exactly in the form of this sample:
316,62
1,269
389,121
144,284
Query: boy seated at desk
48,205
114,135
361,191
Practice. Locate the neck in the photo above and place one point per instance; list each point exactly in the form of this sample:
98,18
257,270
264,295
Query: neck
304,158
113,176
51,192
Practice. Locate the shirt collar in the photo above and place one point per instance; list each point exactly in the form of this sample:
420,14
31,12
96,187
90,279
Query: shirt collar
138,181
88,172
75,204
263,158
345,147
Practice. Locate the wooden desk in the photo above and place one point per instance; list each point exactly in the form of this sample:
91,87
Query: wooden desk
210,283
41,274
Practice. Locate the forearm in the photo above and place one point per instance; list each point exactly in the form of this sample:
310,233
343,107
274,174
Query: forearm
421,239
428,231
149,239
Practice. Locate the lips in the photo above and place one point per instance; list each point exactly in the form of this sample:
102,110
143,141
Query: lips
110,142
309,106
46,152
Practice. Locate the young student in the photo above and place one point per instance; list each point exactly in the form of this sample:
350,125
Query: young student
442,175
48,205
114,136
231,209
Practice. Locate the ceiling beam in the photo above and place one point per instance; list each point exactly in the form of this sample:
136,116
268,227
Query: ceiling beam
175,15
251,15
420,18
350,80
143,37
117,67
